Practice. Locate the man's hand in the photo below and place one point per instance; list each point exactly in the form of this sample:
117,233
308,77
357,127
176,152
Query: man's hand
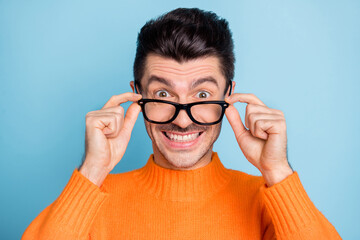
264,144
107,136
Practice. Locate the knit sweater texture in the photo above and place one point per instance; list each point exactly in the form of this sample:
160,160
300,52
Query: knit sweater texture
152,202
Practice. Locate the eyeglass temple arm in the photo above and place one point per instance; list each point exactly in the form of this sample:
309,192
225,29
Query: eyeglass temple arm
230,87
135,88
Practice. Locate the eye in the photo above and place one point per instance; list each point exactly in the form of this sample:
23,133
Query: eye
162,94
203,94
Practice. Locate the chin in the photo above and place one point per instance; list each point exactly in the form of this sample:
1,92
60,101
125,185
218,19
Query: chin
182,159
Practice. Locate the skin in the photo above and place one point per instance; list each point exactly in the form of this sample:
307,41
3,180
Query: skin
263,141
178,79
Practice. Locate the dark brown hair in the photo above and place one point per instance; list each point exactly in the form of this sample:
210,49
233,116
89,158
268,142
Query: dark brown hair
185,34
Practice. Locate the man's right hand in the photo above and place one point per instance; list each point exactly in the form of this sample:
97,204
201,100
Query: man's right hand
107,136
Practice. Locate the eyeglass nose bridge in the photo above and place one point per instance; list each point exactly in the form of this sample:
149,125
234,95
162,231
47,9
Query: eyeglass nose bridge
185,107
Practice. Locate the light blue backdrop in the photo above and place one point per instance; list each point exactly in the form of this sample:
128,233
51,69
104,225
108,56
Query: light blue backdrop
62,59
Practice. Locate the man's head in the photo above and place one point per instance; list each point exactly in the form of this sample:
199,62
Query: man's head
184,56
185,34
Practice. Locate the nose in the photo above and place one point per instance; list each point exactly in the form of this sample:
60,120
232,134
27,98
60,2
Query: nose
182,119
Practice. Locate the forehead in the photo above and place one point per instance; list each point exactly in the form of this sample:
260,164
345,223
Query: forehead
183,73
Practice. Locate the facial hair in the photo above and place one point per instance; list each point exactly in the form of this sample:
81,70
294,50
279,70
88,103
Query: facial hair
183,158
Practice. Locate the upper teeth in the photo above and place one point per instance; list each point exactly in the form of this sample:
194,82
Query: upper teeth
183,138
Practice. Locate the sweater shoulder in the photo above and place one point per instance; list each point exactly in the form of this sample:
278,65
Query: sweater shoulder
120,181
248,180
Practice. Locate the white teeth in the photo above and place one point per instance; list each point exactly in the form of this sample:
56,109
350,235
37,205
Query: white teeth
182,138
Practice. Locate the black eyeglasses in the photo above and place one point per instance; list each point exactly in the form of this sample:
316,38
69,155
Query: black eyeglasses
202,113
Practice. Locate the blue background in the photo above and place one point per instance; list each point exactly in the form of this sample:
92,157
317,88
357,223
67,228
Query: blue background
62,59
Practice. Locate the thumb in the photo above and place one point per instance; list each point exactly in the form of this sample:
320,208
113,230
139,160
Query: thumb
234,119
130,119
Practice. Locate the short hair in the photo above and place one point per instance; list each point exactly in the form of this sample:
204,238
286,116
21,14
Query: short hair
185,34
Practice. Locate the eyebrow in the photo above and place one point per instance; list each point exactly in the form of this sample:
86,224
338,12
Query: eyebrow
204,80
194,84
154,78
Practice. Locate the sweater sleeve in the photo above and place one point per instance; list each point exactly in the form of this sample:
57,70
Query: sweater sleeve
70,216
292,213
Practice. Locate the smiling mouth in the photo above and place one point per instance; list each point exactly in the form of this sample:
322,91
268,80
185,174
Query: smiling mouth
176,137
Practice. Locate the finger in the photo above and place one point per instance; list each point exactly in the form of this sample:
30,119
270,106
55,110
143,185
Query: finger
121,98
234,119
249,98
119,124
118,112
130,119
265,127
255,117
105,122
116,109
254,108
261,108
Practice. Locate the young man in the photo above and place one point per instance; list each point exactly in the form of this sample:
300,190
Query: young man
183,72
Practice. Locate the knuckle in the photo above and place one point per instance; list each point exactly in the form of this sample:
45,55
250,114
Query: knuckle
259,124
249,108
282,123
89,114
120,110
112,98
88,121
251,117
280,112
257,132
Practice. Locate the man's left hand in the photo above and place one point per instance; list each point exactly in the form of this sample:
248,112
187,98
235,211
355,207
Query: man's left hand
264,143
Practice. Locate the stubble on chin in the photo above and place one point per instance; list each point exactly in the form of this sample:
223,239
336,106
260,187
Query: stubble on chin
182,158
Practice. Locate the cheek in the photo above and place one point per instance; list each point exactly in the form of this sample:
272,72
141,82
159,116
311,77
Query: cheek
149,129
215,131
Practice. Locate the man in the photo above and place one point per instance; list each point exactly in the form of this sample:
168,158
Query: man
183,71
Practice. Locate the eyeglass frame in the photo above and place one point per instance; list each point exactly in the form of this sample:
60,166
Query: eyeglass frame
186,107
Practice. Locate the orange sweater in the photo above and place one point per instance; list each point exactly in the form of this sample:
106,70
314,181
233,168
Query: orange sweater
152,202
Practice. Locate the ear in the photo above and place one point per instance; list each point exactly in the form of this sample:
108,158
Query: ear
132,86
232,88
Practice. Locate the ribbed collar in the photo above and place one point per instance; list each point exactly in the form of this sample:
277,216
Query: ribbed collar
183,185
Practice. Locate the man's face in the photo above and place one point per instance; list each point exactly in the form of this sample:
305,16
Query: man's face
182,143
